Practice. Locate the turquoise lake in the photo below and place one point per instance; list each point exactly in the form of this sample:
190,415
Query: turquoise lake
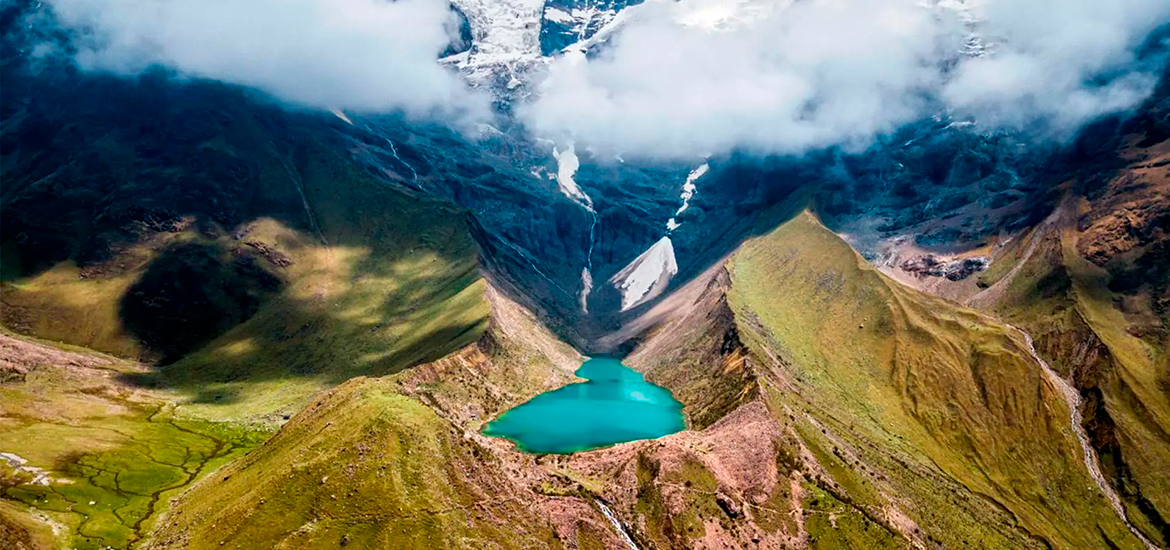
613,406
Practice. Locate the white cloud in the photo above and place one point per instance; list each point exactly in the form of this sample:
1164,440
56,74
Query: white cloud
366,55
683,79
1048,51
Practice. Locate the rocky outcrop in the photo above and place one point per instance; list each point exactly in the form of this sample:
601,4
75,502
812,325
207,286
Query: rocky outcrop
1133,210
567,22
19,357
957,269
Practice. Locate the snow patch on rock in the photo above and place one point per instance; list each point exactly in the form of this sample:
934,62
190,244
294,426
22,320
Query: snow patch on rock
505,43
586,289
688,192
720,15
567,165
648,275
560,16
689,187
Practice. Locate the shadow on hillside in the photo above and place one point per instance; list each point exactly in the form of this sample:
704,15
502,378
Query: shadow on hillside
293,337
190,294
96,165
217,317
394,288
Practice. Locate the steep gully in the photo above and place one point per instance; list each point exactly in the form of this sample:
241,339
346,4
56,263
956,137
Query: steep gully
1071,396
1073,399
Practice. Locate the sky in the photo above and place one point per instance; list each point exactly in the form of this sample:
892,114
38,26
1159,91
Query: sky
681,80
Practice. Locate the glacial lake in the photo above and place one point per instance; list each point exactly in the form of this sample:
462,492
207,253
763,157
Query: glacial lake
614,405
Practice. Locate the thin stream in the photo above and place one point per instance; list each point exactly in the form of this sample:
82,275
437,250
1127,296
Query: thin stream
394,151
1073,398
587,273
617,525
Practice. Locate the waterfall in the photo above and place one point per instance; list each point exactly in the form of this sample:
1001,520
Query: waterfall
617,525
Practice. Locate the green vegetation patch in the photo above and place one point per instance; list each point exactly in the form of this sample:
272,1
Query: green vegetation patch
665,525
834,525
833,460
97,457
112,496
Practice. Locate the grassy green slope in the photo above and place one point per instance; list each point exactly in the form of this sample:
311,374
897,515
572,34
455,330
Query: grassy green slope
946,402
362,465
1065,302
254,303
384,461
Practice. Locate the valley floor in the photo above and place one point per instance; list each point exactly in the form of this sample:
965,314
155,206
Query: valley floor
92,457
